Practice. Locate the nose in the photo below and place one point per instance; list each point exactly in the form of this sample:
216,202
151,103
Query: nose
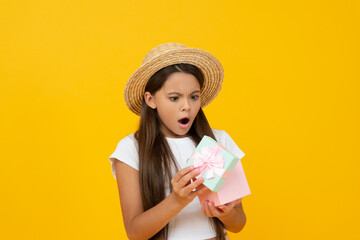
185,106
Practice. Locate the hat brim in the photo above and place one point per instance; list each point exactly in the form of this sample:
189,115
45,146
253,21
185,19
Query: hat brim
209,65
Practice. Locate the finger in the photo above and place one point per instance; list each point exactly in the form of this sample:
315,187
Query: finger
207,209
189,189
225,208
215,211
228,206
180,184
199,190
197,193
181,173
203,210
190,175
201,186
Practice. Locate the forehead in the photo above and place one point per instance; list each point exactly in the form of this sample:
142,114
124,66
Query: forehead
180,81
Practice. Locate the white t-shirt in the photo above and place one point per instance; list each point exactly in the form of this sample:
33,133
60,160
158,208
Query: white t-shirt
189,223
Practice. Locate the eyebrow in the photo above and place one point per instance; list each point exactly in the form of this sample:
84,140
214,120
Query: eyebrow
177,93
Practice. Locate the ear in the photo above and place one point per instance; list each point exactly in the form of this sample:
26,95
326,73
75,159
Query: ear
149,99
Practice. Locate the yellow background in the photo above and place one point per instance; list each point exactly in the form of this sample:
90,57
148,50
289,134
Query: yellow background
290,100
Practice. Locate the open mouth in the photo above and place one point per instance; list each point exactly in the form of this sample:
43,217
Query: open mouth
184,121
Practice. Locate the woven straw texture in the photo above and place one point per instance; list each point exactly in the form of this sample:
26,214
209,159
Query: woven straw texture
169,54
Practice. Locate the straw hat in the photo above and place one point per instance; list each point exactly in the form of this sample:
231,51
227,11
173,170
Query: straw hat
169,54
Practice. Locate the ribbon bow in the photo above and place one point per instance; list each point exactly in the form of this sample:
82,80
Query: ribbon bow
210,161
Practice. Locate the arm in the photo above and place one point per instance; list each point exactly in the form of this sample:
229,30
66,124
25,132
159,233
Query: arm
144,225
231,214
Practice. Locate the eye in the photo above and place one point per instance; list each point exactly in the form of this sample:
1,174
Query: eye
194,97
173,98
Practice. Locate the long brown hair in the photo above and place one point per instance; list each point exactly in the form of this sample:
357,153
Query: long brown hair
156,161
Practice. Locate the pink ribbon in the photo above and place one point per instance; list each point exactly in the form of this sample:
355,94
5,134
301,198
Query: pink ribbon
210,160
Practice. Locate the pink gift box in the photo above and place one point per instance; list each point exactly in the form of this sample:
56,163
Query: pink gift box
235,187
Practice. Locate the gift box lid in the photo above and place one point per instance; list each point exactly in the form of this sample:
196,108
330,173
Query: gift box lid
208,149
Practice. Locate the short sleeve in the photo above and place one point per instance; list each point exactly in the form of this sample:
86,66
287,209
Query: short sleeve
126,152
225,140
232,146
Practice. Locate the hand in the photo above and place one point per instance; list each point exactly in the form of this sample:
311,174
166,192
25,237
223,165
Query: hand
209,209
184,189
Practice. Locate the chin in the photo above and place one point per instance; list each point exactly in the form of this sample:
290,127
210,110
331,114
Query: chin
184,131
180,133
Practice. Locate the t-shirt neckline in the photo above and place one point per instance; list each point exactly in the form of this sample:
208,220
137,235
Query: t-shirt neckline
183,139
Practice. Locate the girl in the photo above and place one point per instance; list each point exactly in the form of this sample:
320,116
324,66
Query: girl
168,91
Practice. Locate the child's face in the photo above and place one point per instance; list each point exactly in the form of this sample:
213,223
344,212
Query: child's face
177,103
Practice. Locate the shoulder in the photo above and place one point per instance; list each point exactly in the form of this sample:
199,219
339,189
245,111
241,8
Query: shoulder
126,151
224,139
220,135
128,141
